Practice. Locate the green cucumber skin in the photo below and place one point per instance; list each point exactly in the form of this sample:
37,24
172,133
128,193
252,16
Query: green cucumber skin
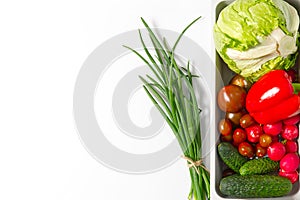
255,186
231,157
259,166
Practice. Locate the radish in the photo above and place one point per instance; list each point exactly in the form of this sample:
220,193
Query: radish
276,151
289,162
292,176
290,132
291,146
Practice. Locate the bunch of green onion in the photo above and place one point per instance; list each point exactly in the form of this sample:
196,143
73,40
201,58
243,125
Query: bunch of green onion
171,91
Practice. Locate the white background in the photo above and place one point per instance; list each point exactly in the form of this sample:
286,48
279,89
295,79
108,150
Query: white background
42,47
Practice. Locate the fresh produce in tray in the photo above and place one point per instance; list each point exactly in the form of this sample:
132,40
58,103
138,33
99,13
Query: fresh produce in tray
258,40
261,144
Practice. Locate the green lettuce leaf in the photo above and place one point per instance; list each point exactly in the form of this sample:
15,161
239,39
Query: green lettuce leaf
256,36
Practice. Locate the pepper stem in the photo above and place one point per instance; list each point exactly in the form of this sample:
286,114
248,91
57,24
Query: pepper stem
296,87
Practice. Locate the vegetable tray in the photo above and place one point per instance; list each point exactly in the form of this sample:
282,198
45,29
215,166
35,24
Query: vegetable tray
222,76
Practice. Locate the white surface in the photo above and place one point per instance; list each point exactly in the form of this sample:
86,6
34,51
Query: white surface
42,46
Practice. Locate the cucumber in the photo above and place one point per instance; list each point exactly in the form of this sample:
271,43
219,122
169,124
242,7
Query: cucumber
231,157
255,186
259,166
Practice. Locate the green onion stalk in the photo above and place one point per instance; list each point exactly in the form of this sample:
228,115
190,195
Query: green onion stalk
171,91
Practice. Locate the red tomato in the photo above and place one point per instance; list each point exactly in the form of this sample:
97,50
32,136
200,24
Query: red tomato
239,135
246,149
273,129
225,127
265,140
227,138
275,139
240,81
232,98
260,151
246,121
235,117
254,132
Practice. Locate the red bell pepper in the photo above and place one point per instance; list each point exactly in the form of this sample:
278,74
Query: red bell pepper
272,98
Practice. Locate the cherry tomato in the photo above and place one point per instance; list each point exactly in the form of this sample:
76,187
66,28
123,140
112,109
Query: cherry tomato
276,151
225,127
275,138
265,140
273,129
239,135
254,132
232,98
227,138
235,117
246,121
260,151
235,144
246,149
239,81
